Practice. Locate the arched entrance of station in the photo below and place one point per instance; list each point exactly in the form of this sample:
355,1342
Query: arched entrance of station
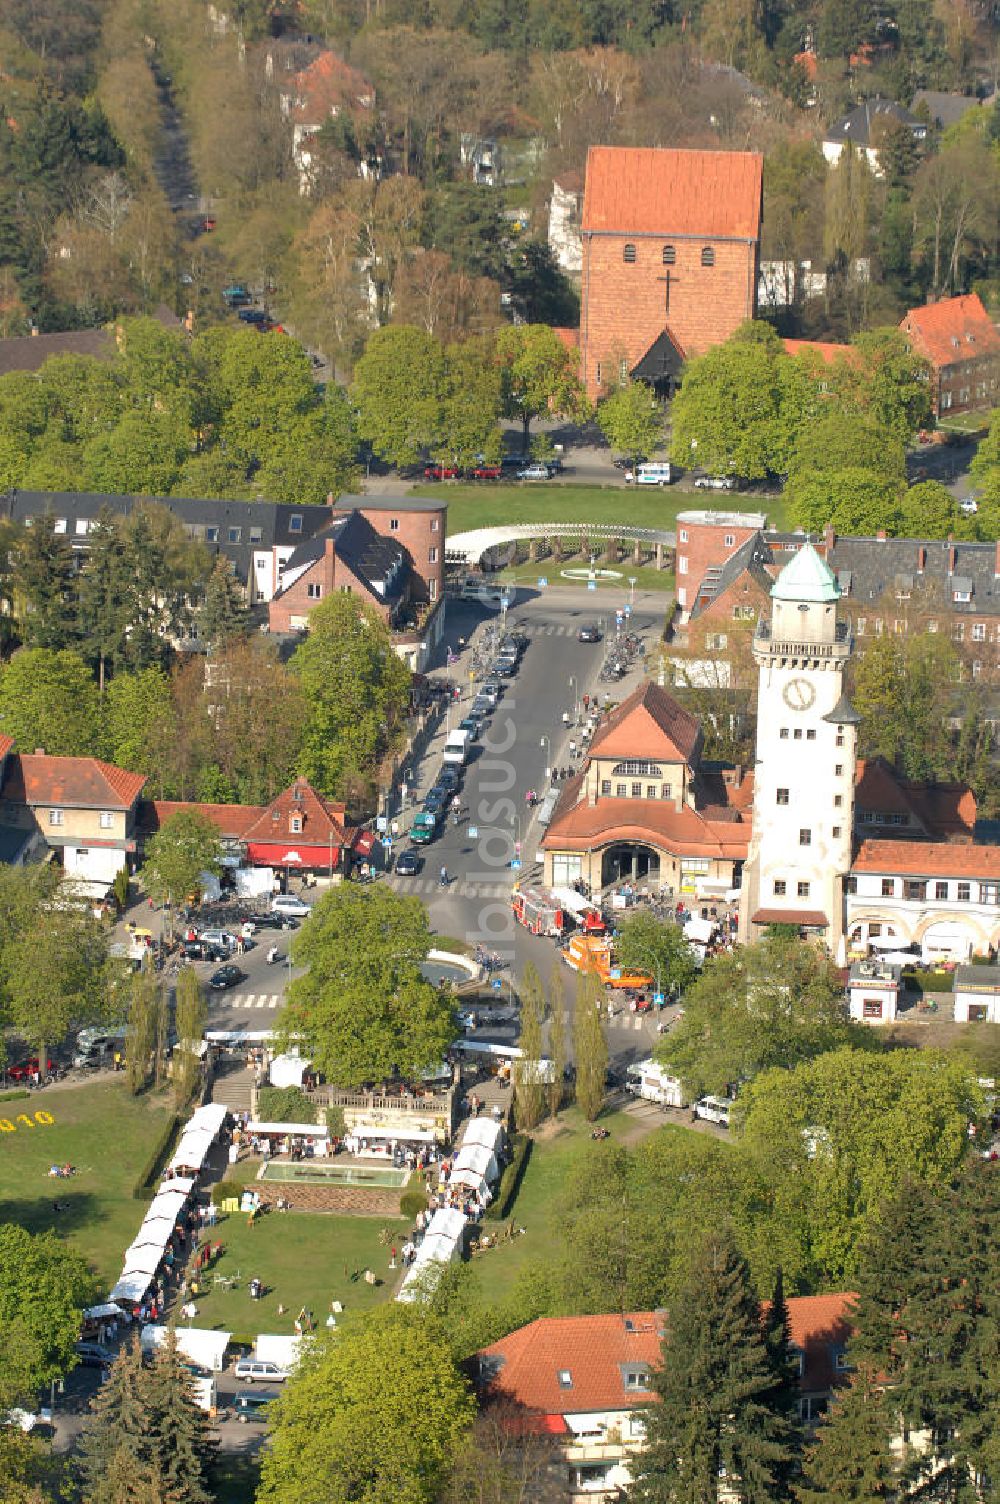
630,861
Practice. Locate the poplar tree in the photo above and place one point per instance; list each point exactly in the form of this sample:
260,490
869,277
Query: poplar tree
529,1090
718,1427
557,1039
590,1048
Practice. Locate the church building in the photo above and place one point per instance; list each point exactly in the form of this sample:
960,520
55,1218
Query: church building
671,247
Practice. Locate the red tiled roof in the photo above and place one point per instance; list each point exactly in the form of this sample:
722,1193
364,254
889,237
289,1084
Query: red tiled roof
233,820
71,782
581,826
945,810
934,329
326,86
649,724
594,1350
812,919
6,743
829,352
320,818
928,859
656,191
809,63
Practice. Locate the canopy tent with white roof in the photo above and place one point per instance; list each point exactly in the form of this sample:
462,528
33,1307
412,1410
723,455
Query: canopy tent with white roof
142,1261
185,1183
205,1348
699,931
288,1070
167,1202
485,1131
132,1287
103,1313
447,1222
296,1130
473,1165
442,1244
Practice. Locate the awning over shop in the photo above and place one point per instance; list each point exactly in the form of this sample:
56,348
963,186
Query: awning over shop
364,843
809,919
274,854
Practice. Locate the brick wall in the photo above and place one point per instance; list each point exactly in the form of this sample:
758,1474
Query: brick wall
291,608
967,385
421,534
707,544
624,304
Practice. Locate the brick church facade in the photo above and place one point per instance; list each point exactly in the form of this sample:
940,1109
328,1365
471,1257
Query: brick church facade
671,248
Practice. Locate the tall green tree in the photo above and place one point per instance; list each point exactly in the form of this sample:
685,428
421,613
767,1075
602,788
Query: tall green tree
136,710
356,689
190,1017
767,1005
399,394
185,846
44,1285
590,1048
903,690
850,1461
644,944
376,1416
49,700
539,374
48,988
717,1417
631,421
140,1041
470,406
180,1445
557,1040
45,583
529,1089
362,1010
105,585
222,615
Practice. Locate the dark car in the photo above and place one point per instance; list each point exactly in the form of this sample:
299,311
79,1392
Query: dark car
471,725
226,976
449,779
589,634
436,801
408,864
253,1405
275,922
94,1355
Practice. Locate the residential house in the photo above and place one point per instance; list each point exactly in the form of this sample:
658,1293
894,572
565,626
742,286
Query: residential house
389,551
941,108
645,808
977,995
29,352
706,541
82,809
873,988
671,246
865,127
257,538
324,88
586,1381
943,896
962,344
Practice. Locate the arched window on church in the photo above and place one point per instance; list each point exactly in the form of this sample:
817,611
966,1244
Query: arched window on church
707,255
669,255
628,254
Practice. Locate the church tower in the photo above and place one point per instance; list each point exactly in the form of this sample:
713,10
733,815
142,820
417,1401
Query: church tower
803,805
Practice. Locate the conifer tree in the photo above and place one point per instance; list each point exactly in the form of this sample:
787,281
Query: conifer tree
850,1462
115,1442
180,1446
717,1427
785,1395
222,616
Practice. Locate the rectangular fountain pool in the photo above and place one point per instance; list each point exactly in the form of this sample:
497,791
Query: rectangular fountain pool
319,1173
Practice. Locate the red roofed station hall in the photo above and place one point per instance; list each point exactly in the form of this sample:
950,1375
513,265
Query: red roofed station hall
671,246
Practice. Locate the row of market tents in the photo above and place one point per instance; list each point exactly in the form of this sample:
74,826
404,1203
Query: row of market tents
475,1168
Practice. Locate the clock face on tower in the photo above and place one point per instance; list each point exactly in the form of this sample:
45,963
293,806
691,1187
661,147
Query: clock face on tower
798,694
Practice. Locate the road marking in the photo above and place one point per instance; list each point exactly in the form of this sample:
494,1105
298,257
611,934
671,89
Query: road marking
275,999
263,1002
638,1024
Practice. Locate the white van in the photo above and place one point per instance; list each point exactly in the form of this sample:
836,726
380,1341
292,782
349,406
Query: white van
288,905
653,473
713,1110
456,748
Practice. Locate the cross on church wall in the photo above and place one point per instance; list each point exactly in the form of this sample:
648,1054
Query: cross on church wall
667,278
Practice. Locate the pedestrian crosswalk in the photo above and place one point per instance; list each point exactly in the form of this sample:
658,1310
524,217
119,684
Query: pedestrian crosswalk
250,1000
457,886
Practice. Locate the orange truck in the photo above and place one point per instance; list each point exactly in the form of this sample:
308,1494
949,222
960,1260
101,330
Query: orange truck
594,956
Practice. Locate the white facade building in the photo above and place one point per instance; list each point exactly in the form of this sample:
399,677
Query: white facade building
941,896
803,809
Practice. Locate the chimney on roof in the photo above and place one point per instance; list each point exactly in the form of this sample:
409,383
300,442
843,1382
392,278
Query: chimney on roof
921,560
881,535
829,538
39,751
952,555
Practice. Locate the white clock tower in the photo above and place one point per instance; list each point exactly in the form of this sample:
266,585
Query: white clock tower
803,803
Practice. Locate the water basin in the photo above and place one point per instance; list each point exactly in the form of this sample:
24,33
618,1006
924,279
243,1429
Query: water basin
320,1173
440,972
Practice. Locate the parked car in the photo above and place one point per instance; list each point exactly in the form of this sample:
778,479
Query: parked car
409,863
589,634
440,472
276,922
290,905
490,692
713,1110
226,977
471,725
27,1068
716,483
535,472
436,800
251,1405
449,778
969,506
222,940
424,828
487,472
254,1369
94,1355
653,473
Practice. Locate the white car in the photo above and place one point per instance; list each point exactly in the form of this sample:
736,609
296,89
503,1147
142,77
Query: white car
535,472
970,506
288,905
224,939
254,1369
716,483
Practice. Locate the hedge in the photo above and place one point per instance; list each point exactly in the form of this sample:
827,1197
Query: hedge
226,1190
14,1096
510,1180
922,980
412,1202
157,1158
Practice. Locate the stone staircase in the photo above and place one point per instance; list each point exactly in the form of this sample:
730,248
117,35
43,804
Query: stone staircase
233,1085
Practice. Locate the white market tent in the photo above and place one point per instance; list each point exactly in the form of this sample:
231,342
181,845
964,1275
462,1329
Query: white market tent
131,1287
205,1348
473,1165
700,931
447,1222
272,1348
296,1130
288,1070
167,1203
484,1131
103,1313
142,1261
183,1183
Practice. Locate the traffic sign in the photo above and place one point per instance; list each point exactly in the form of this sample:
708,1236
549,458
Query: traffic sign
497,984
473,832
628,610
381,823
591,584
515,865
517,848
658,999
542,582
387,842
615,974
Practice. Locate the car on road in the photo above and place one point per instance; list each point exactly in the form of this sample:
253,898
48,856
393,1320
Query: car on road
225,977
276,922
716,483
589,634
289,905
440,472
424,828
449,778
490,692
969,506
254,1369
436,800
653,473
200,950
94,1355
535,472
253,1405
471,725
487,472
409,863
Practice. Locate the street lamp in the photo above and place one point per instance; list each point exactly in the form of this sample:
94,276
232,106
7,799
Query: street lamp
576,701
543,741
631,591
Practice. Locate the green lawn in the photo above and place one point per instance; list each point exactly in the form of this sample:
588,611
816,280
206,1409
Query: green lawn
109,1136
552,1156
304,1259
646,576
488,505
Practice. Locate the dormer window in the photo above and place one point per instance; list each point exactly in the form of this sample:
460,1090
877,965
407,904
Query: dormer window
636,1378
565,1379
295,824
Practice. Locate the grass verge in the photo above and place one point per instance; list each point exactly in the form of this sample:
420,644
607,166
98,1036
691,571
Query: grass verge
491,505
